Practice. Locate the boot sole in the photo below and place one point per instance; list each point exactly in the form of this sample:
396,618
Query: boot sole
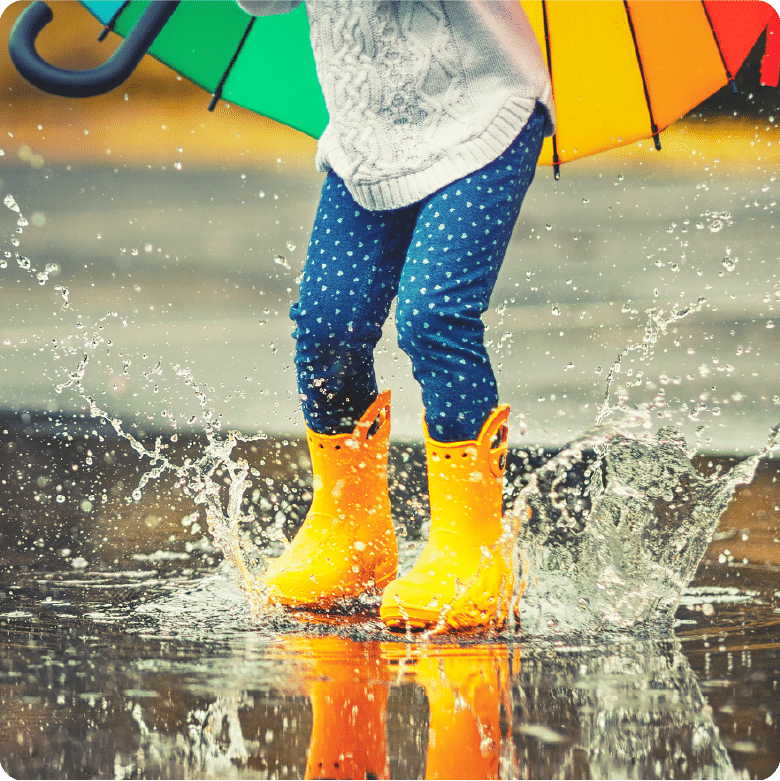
325,602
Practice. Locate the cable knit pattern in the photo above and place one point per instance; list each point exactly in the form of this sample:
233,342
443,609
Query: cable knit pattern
420,93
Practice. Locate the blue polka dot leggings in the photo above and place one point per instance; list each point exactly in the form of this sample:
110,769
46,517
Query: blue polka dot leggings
440,257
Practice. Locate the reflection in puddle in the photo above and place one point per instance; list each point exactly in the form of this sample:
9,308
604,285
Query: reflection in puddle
180,684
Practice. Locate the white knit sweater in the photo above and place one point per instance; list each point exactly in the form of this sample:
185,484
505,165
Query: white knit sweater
419,92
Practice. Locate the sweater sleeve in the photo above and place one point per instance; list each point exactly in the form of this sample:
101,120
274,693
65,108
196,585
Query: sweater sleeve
268,7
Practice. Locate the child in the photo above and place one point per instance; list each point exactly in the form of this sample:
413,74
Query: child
437,115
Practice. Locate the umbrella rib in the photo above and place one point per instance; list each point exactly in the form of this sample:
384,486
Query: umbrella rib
112,21
729,74
556,161
653,126
218,91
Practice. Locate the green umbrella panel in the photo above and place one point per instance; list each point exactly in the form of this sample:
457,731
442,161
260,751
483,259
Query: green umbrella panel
264,63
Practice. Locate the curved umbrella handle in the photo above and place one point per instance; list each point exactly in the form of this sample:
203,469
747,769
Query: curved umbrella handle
87,83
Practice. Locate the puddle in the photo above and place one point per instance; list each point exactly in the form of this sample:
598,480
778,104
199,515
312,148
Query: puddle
128,650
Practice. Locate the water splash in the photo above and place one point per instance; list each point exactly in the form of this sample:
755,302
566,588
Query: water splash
24,263
615,549
214,481
657,325
618,549
620,518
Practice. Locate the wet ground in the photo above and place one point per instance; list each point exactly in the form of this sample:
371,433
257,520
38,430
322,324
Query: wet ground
128,650
198,269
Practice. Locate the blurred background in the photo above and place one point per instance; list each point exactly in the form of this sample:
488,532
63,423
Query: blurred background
174,238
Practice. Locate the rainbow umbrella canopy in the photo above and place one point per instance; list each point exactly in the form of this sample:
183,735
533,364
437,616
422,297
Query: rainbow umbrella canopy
622,70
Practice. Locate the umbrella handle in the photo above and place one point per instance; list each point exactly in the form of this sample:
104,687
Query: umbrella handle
86,83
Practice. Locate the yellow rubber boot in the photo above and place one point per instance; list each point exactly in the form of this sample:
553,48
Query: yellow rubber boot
347,544
464,577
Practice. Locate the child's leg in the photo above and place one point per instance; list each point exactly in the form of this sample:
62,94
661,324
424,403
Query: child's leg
347,544
455,254
464,577
351,276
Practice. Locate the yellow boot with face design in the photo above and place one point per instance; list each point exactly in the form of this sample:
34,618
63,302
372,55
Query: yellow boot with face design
347,544
465,576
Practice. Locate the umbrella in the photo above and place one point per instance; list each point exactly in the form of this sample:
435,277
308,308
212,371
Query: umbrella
215,44
622,70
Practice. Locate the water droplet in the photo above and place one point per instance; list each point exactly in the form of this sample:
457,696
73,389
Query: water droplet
65,293
556,310
715,226
11,203
43,276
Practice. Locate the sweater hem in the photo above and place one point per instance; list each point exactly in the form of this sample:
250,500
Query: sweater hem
462,160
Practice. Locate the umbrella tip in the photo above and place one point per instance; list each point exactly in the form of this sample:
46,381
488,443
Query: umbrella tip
557,171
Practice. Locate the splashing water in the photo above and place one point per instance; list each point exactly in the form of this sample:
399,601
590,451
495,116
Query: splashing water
614,549
198,480
618,551
24,263
617,548
198,477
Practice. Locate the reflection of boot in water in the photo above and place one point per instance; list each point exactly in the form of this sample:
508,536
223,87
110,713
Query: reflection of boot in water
349,734
464,692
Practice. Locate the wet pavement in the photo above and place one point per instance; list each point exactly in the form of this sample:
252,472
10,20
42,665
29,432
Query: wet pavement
127,649
198,270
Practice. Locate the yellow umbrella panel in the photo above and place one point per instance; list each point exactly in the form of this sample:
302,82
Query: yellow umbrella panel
624,70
